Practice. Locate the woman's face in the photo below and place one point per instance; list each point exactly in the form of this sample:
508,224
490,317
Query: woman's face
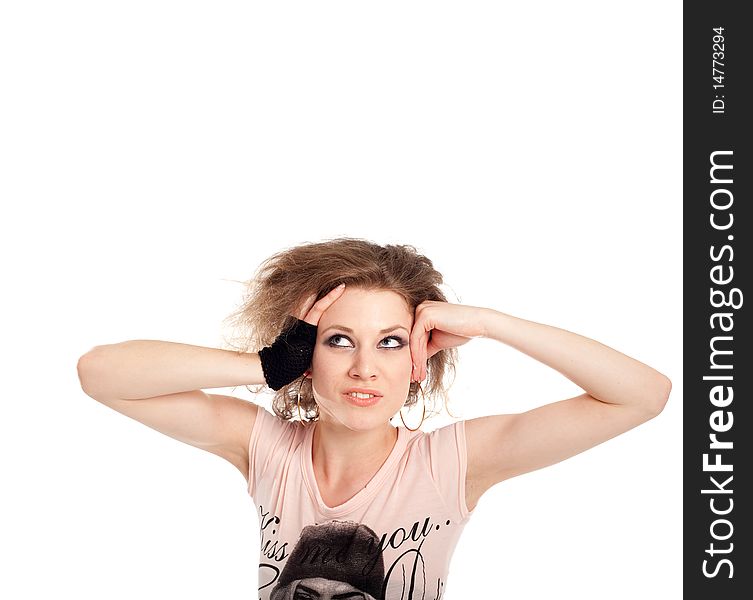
318,588
362,346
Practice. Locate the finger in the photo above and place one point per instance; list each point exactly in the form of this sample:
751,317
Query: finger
441,340
317,310
424,356
413,345
304,307
429,344
422,342
415,362
418,341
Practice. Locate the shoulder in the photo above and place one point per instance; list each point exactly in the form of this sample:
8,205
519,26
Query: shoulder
271,440
443,452
268,429
448,437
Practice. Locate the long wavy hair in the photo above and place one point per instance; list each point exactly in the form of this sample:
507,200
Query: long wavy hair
285,279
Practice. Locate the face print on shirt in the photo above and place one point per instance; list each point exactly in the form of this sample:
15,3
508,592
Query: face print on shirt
327,589
337,560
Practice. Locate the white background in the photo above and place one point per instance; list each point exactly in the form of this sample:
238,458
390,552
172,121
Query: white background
153,153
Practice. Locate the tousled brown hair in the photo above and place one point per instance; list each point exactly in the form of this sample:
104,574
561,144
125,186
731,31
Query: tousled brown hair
285,279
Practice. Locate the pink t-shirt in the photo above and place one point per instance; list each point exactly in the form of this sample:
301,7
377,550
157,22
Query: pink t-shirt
391,541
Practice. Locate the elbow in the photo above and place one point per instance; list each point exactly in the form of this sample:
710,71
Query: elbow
657,399
82,369
86,370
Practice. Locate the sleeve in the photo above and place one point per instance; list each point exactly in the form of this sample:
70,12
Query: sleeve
271,440
448,464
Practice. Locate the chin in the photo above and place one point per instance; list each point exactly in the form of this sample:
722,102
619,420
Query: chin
356,418
335,408
360,422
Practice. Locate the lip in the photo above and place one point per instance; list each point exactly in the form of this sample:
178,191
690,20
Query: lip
362,401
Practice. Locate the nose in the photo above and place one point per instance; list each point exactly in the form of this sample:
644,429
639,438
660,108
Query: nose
364,364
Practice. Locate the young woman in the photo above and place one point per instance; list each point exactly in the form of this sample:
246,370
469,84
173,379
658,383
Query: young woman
348,333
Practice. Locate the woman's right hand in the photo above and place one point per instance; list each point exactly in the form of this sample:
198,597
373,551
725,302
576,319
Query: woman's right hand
290,355
311,311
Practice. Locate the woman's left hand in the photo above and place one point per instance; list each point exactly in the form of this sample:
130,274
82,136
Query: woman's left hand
438,326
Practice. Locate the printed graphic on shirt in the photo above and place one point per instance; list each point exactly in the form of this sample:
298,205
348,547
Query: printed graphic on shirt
334,558
346,559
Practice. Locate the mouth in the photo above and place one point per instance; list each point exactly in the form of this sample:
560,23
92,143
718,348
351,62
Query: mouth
362,399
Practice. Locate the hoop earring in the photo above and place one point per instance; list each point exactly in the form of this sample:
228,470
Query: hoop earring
300,416
423,414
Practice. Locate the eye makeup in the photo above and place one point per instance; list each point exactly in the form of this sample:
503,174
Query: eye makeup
400,341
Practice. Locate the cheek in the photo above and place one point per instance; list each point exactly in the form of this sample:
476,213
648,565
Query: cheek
325,362
398,366
319,362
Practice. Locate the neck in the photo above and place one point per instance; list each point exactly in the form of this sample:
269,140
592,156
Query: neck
339,453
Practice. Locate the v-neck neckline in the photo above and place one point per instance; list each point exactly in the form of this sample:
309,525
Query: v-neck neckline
364,494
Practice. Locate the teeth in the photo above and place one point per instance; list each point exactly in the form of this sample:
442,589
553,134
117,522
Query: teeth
359,395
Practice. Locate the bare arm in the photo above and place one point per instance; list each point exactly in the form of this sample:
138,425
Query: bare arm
620,392
604,373
139,369
160,384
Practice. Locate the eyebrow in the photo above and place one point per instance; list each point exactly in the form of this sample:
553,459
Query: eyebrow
344,596
349,330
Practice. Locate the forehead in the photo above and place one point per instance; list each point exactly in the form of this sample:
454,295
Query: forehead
330,586
358,307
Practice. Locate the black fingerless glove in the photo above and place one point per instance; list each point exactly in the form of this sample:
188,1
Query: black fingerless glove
289,355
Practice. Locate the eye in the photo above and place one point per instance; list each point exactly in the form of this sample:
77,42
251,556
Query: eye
332,341
399,342
391,342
